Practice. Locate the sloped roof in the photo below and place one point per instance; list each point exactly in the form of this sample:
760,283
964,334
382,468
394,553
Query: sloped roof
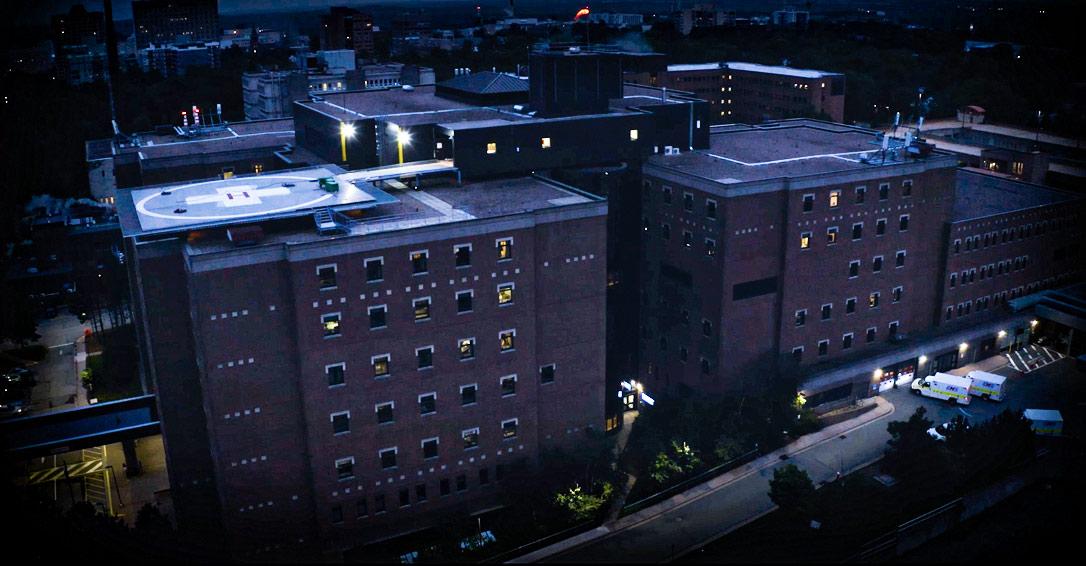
486,82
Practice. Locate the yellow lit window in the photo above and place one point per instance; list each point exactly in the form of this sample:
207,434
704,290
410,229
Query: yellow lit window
633,135
831,236
258,168
505,294
467,348
331,324
422,309
545,143
805,240
835,198
380,366
505,340
505,249
492,147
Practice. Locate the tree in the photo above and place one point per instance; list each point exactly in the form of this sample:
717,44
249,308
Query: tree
910,446
17,321
791,489
582,505
680,460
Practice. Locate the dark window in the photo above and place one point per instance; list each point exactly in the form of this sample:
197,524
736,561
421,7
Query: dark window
379,503
427,404
850,306
899,259
429,448
797,354
420,492
953,280
808,203
509,385
823,347
419,262
893,329
665,231
903,225
461,482
827,311
345,468
705,367
467,394
667,195
683,354
444,486
425,357
546,374
870,335
854,269
388,458
405,497
907,188
846,341
688,238
801,317
375,270
896,294
706,328
463,301
710,209
884,191
384,413
876,264
688,202
335,375
880,226
463,255
361,508
861,192
858,231
377,317
341,423
327,277
337,514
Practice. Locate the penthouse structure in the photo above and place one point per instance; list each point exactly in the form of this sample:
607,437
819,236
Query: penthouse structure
751,93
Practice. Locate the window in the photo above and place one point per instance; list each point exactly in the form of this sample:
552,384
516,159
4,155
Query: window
884,191
870,335
382,365
545,143
831,235
509,385
470,437
835,198
505,340
326,275
861,192
949,312
420,492
420,262
505,248
823,347
421,308
899,259
710,209
876,264
341,422
688,238
633,135
462,253
484,476
384,412
903,223
706,328
467,394
361,508
388,458
546,373
808,203
429,448
895,295
683,354
953,280
509,429
665,231
797,354
505,294
344,468
688,202
667,194
377,317
710,247
444,485
337,514
379,503
857,230
464,300
427,403
850,305
880,226
491,148
466,347
873,300
957,246
893,328
375,269
330,323
804,240
907,188
461,482
801,317
846,341
335,373
827,311
854,268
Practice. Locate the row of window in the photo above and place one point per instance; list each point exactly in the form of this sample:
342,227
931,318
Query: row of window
859,195
847,341
545,143
421,495
876,264
826,311
832,232
996,299
381,364
420,262
688,238
990,270
688,201
684,355
421,309
1008,235
469,440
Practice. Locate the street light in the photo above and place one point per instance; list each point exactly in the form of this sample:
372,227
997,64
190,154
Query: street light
403,137
345,131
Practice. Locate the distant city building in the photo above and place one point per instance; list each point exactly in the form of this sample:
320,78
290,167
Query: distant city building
79,45
347,28
617,20
703,16
175,60
36,59
243,37
270,94
971,115
165,22
751,93
790,17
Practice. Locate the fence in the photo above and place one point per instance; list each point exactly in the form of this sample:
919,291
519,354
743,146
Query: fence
689,482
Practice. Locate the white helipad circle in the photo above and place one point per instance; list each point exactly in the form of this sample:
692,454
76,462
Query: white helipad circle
141,205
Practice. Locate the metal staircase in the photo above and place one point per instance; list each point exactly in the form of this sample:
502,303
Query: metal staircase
329,222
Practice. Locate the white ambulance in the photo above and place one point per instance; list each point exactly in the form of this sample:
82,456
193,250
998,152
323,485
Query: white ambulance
943,386
987,385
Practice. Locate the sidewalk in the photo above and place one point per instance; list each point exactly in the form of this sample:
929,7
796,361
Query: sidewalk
703,513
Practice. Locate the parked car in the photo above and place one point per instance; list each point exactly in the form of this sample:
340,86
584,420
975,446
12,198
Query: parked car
940,432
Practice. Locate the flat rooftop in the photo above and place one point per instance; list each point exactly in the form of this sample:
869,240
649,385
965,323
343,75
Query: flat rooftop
753,68
980,194
791,148
234,137
354,105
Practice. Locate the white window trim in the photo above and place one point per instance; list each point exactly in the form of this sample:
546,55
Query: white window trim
429,311
823,307
803,202
797,349
854,301
516,425
465,432
904,217
854,225
827,343
884,222
512,289
421,395
334,270
342,365
473,344
470,251
555,366
369,314
423,348
887,187
498,241
900,288
422,446
893,323
513,349
904,254
868,331
412,262
796,315
691,195
880,260
348,459
857,263
501,382
332,419
324,320
395,452
716,209
852,341
388,363
365,267
465,386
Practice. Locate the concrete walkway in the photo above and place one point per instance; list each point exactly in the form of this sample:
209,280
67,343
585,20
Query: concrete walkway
705,512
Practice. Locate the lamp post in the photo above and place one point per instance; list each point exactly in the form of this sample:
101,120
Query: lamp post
403,137
345,131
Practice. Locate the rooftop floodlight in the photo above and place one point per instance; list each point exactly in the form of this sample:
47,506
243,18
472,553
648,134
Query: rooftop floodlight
403,137
346,130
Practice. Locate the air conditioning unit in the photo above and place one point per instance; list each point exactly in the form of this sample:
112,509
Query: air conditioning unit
671,150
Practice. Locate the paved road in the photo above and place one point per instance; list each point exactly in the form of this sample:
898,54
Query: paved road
704,519
58,380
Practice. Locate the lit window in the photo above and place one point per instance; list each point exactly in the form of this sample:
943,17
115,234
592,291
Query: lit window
505,340
804,240
467,394
505,294
509,429
466,347
335,374
427,403
384,412
509,385
464,301
491,148
330,323
835,198
388,458
463,255
326,275
425,357
422,309
377,316
381,365
873,300
633,135
505,248
345,468
831,235
429,448
545,143
420,262
471,438
546,373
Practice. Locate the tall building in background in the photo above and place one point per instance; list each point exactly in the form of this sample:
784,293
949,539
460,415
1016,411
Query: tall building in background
347,28
79,43
163,22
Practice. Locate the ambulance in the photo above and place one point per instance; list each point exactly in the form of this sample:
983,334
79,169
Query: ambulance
987,385
943,386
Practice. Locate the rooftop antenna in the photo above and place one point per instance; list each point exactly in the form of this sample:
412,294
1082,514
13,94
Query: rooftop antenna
897,121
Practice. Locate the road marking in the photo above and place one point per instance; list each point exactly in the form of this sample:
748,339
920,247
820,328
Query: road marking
62,345
964,412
